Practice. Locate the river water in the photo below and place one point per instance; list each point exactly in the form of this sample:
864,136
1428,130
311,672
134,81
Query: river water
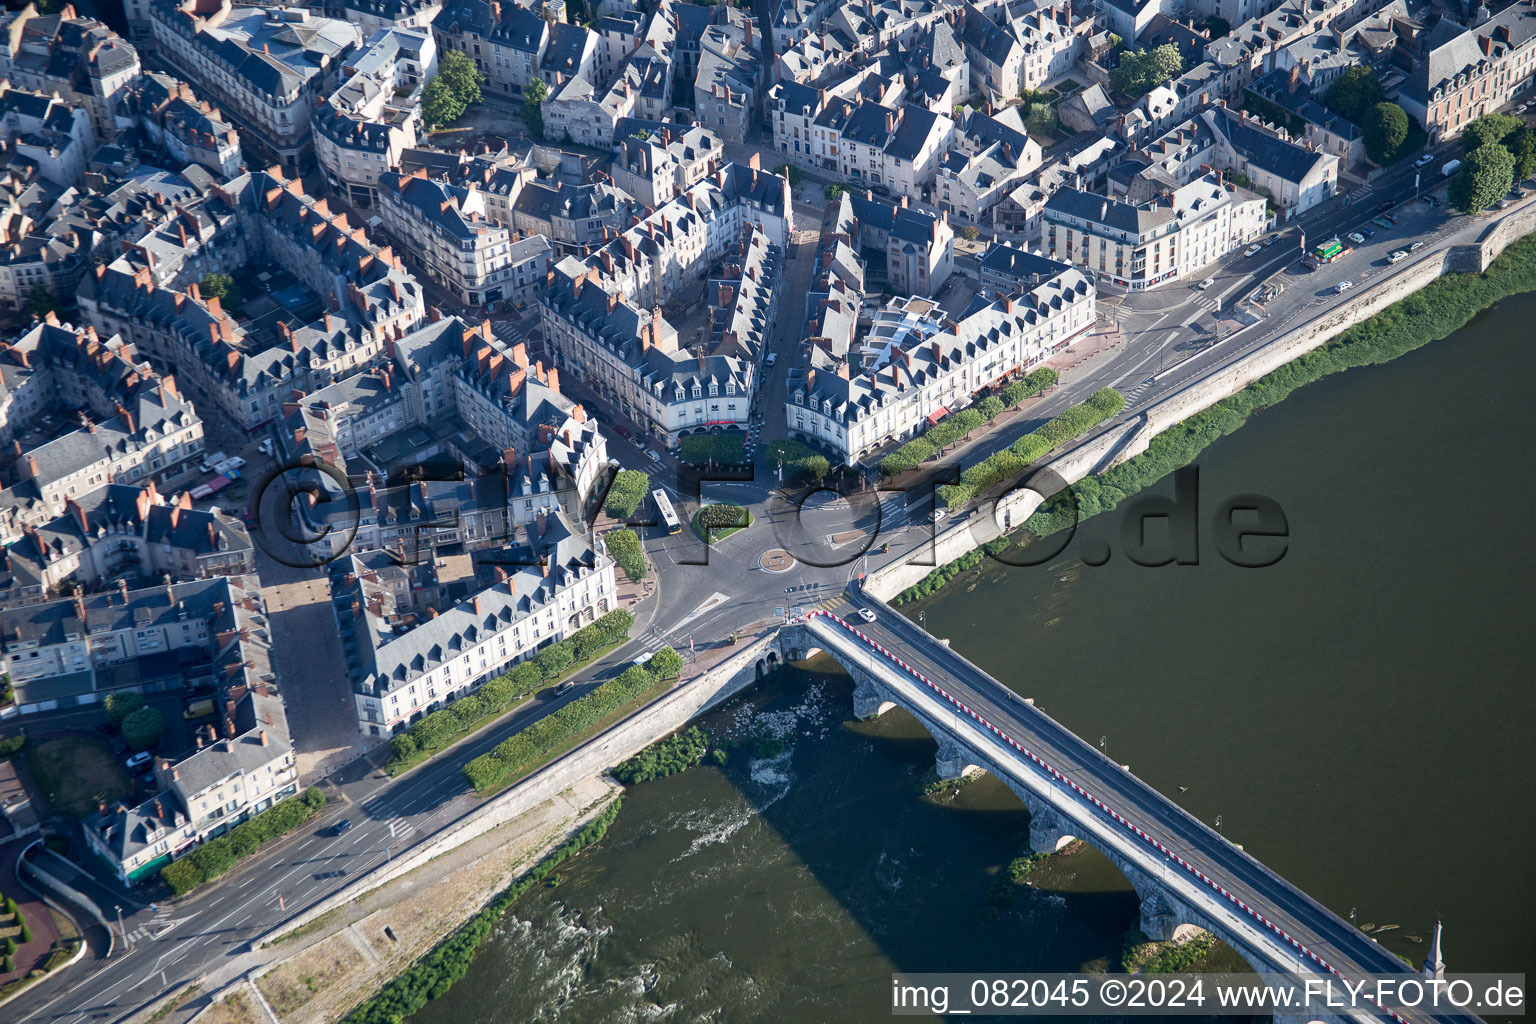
1357,716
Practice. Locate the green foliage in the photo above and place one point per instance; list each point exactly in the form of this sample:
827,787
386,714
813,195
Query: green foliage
217,856
802,463
7,964
937,437
1385,127
226,289
119,706
10,946
1355,92
666,757
1041,120
790,171
556,731
1490,130
1435,311
434,974
624,547
533,106
1524,149
1146,957
1274,113
937,579
723,449
439,106
831,192
990,407
41,301
969,233
453,90
1140,70
665,664
143,728
626,495
554,659
499,695
12,746
1486,175
1029,386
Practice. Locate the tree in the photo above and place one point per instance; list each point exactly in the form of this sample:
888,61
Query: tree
630,486
969,233
439,106
790,171
119,706
533,106
832,192
1355,92
143,728
40,300
225,289
1041,120
554,659
665,664
462,76
1490,129
1140,70
1386,129
1486,174
1525,153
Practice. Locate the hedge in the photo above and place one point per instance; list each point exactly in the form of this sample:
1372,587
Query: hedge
534,744
1029,386
624,548
627,494
441,728
1433,312
1071,423
802,463
12,746
724,449
447,962
217,856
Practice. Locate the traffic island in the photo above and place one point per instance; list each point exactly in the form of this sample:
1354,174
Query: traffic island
776,560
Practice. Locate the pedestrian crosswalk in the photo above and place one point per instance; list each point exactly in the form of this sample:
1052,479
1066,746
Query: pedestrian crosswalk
1133,393
154,926
1207,303
1360,192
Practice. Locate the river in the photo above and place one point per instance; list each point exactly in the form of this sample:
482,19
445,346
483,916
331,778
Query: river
1356,715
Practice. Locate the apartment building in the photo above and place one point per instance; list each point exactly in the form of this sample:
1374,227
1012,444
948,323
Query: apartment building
1016,47
406,661
1143,245
657,161
1467,71
79,58
445,229
55,135
191,129
990,158
916,364
266,67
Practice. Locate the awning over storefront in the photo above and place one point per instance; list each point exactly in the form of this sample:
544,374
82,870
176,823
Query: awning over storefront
937,415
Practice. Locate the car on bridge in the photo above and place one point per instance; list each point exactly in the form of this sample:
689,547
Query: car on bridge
867,614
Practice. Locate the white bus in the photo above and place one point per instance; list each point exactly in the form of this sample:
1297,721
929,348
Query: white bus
668,514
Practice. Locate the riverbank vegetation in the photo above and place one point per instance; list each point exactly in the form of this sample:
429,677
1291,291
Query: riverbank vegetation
559,731
665,757
444,727
434,974
1072,423
217,856
1142,955
1433,312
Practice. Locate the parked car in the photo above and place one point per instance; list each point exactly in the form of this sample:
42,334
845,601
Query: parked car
341,826
653,454
1271,240
138,760
1416,246
1368,233
867,614
1384,207
773,357
1425,160
938,516
1430,200
1252,249
1203,285
1398,256
208,463
1356,237
266,447
1343,286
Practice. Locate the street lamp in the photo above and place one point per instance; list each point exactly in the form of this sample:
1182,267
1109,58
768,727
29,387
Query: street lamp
123,931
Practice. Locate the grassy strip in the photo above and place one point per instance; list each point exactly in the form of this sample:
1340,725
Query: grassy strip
624,548
1073,422
217,856
444,727
557,732
1433,312
447,962
665,757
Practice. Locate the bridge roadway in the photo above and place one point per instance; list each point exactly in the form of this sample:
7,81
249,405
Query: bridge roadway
1193,862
